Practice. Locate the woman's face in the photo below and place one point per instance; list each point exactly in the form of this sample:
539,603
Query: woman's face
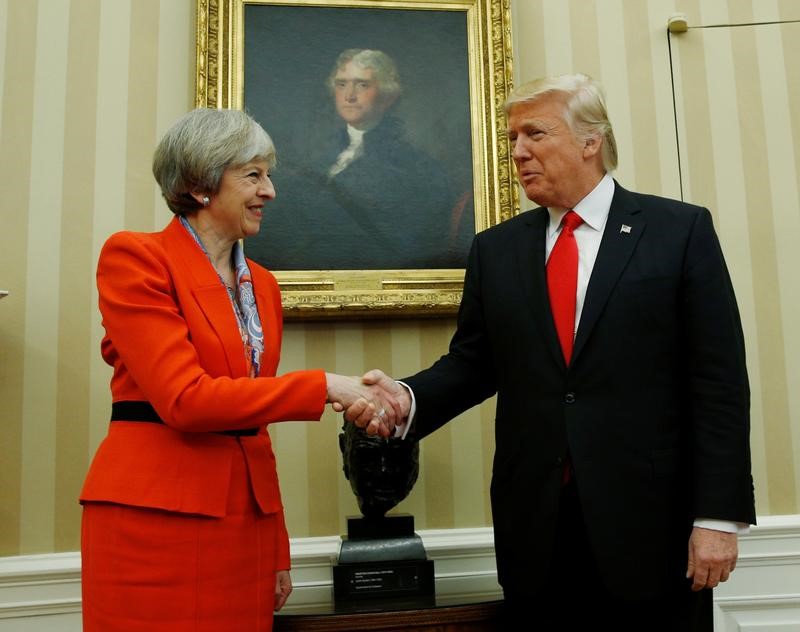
237,208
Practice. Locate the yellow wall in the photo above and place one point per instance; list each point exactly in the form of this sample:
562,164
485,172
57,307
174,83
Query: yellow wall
89,85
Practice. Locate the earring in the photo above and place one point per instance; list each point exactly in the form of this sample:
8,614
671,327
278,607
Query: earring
206,201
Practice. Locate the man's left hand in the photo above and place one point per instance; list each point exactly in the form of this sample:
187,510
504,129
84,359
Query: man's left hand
712,557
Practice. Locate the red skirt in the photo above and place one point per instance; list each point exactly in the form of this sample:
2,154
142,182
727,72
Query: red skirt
156,571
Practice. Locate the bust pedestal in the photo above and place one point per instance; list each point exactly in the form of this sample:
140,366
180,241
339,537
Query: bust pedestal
381,558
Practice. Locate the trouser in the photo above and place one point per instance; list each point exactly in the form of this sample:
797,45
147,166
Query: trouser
576,598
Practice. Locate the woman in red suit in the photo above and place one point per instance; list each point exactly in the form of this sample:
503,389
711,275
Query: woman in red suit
183,524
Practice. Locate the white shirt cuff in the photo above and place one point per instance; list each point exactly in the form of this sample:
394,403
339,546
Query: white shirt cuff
742,528
401,430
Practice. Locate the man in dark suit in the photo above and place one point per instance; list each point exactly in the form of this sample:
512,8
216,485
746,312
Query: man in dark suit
606,323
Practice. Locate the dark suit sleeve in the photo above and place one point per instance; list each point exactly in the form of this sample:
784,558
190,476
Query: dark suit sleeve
464,376
719,394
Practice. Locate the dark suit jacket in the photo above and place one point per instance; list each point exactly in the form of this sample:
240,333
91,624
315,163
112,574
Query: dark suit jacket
173,341
653,409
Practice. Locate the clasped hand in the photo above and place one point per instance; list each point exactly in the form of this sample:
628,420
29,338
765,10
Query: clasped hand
374,401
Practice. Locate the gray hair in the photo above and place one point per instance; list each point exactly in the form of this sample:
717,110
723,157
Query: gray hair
585,111
379,62
199,147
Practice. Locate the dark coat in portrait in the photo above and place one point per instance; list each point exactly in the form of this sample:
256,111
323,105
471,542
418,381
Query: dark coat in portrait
391,207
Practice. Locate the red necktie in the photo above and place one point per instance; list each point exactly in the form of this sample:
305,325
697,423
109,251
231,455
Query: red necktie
562,287
562,282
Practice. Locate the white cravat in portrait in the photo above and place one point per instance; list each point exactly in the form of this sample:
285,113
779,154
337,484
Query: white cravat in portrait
349,153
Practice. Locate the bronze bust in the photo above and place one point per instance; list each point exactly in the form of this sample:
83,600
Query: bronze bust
381,472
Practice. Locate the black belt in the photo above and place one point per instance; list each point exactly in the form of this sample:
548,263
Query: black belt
143,411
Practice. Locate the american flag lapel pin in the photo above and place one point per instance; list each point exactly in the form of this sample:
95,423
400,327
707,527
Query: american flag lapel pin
625,229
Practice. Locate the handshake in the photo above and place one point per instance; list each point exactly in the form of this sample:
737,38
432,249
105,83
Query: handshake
374,402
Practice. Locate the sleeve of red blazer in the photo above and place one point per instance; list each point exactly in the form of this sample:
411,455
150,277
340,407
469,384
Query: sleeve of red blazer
150,335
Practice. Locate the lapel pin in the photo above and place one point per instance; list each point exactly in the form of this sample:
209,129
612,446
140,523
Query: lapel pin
625,228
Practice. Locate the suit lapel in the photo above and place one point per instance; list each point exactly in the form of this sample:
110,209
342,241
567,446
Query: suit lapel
530,255
211,296
623,230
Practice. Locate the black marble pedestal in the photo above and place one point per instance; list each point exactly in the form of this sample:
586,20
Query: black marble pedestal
382,558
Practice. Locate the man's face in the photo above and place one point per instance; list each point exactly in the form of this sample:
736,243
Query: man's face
554,167
358,100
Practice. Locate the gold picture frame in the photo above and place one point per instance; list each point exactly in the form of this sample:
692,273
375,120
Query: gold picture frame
483,35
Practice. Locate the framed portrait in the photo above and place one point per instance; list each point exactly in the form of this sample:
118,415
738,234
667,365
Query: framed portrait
388,121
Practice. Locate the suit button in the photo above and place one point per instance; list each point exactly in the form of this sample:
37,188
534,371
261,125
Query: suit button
569,398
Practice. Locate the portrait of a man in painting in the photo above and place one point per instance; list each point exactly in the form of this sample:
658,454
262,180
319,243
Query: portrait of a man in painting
371,172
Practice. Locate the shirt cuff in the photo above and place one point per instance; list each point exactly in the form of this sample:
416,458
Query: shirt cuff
401,430
727,526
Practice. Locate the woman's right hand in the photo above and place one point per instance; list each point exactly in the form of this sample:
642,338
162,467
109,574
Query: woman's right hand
379,411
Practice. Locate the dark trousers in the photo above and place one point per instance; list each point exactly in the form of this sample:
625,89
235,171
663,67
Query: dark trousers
576,599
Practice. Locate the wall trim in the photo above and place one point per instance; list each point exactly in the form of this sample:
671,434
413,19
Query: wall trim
37,590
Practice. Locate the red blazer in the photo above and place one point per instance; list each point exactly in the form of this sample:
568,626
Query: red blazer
173,340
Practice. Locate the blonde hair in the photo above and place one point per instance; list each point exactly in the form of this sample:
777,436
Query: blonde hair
585,108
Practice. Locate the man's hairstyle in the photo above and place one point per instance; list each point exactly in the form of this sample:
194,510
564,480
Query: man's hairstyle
585,111
381,64
199,147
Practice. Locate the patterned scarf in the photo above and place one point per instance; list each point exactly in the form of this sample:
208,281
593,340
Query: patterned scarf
243,301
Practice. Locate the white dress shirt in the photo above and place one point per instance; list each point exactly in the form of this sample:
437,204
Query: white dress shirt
593,210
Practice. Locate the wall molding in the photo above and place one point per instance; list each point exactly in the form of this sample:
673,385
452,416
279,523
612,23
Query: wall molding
40,593
463,563
764,592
